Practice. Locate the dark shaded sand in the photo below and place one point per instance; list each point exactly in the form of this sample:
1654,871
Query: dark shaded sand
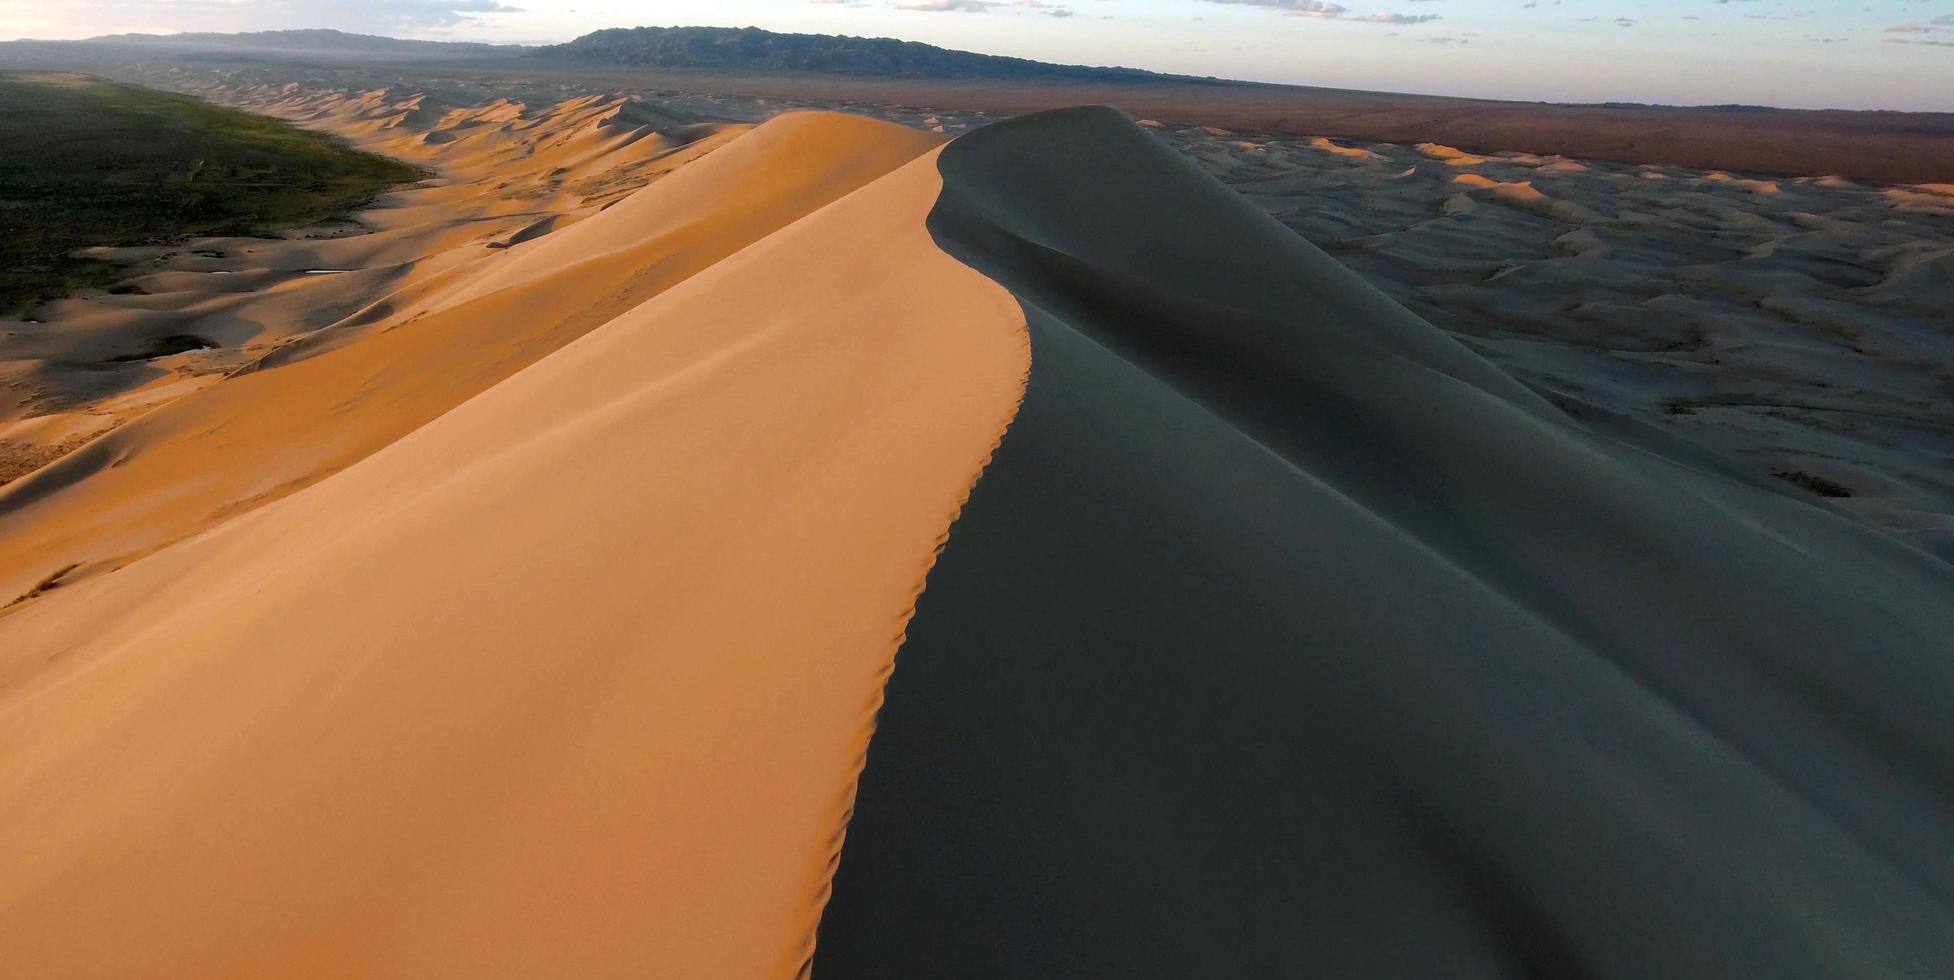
1286,637
1800,327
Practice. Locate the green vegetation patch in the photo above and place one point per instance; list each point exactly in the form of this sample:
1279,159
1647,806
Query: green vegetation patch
86,162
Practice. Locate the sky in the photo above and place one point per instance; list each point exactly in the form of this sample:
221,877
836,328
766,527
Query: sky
1886,54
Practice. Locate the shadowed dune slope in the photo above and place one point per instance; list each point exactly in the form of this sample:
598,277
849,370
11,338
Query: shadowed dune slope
1285,637
573,680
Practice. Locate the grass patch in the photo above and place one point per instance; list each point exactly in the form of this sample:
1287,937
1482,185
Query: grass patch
92,162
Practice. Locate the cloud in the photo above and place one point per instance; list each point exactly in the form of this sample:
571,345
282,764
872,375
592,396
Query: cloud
1298,8
1385,18
1939,25
975,6
950,6
395,13
1325,10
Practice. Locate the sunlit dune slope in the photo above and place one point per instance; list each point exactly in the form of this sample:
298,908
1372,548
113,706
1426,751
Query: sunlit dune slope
338,394
1283,637
573,680
189,314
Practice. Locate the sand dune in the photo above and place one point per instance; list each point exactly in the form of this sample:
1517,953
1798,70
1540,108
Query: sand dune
375,368
1284,637
248,296
513,590
416,699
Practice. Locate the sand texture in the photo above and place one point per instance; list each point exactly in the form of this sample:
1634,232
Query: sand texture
1798,327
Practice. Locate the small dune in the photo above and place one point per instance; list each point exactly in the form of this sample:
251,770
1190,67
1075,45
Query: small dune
1928,198
1742,183
1522,194
1348,152
1451,155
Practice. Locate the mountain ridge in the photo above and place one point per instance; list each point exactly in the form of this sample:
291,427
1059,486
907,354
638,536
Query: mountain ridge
753,48
721,49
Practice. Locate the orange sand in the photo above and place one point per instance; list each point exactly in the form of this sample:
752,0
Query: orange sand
569,679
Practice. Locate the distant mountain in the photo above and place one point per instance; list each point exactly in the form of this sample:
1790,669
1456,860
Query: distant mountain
724,49
751,49
305,42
